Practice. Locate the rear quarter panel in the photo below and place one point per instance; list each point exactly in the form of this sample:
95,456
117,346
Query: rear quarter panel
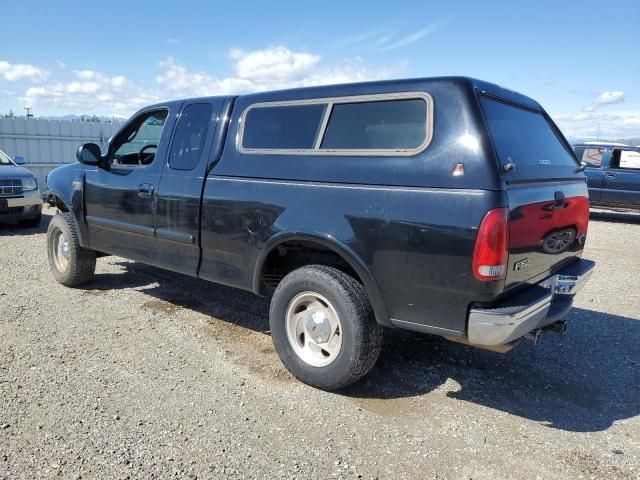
416,243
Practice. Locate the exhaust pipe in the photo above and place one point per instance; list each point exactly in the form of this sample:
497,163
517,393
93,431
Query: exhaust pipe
557,327
534,336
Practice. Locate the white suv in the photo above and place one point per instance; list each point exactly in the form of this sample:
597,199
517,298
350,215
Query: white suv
20,198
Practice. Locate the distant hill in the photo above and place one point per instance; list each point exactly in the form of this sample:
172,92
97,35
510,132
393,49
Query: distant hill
87,118
74,118
627,141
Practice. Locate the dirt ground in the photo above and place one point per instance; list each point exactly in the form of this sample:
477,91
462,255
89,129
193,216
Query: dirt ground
150,374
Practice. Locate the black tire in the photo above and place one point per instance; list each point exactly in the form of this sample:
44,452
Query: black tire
31,222
81,262
361,334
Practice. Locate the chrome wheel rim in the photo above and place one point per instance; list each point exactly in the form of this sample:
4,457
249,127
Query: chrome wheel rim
60,251
313,328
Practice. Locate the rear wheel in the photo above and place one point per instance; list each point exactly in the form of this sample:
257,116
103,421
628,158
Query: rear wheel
323,327
71,265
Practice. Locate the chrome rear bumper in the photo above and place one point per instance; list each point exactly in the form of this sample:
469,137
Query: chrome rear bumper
534,308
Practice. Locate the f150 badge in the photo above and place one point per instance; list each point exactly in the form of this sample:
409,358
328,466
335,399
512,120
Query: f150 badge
519,265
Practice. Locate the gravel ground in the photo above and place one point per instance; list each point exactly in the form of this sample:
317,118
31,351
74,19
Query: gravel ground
151,374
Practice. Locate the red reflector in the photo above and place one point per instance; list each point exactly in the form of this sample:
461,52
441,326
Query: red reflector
492,243
458,170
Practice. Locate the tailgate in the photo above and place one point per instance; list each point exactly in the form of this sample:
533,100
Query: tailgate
547,228
547,192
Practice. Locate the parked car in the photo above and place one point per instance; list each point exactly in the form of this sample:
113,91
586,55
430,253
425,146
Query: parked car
613,173
20,198
418,204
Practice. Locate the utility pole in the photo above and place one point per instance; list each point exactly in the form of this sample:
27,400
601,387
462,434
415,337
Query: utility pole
598,134
29,114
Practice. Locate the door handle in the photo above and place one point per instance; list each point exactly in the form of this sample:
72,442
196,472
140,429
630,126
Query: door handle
609,175
560,202
145,190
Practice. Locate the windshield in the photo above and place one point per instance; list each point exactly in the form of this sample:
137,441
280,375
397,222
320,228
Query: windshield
4,159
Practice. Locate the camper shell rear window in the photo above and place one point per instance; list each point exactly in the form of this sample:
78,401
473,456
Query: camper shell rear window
525,138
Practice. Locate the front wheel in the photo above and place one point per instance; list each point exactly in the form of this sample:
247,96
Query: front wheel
323,327
71,265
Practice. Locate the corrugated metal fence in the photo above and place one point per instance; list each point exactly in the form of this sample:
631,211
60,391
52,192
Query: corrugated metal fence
46,144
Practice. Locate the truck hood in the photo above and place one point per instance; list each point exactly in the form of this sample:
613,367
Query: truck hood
10,171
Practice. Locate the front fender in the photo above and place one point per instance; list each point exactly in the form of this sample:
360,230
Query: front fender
66,184
331,243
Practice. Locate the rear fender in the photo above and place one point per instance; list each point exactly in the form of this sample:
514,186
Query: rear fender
347,254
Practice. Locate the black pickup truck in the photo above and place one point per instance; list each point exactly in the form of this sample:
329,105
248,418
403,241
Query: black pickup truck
448,206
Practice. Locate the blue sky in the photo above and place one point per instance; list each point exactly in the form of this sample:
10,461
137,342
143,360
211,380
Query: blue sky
579,59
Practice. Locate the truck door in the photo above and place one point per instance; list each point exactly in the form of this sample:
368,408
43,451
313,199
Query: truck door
621,183
593,157
180,190
120,199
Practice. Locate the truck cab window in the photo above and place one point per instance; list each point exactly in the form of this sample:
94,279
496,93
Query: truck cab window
137,144
593,157
625,159
188,140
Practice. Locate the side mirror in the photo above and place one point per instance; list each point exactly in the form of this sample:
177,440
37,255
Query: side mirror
583,165
19,160
89,154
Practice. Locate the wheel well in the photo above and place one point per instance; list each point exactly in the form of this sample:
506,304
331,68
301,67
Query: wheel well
291,255
55,201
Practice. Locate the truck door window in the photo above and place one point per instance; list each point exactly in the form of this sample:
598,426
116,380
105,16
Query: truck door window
4,159
188,140
625,159
592,157
137,144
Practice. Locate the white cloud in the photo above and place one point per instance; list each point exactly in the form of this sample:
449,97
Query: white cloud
119,81
21,71
604,99
178,80
269,69
383,39
93,92
371,37
35,92
414,37
611,125
353,70
83,87
607,98
86,74
273,64
90,92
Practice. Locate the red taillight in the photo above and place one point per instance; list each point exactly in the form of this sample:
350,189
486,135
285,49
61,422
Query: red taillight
492,246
